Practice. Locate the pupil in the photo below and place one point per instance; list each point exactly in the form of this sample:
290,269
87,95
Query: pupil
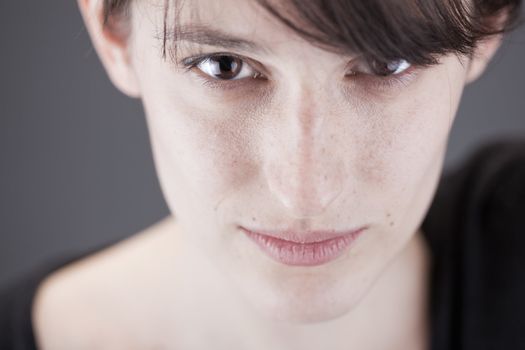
227,67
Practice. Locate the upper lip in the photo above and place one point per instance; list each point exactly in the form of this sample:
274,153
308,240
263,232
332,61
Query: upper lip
308,236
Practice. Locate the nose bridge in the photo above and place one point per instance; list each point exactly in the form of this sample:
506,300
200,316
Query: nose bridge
302,170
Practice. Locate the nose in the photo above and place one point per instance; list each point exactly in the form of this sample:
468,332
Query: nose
303,166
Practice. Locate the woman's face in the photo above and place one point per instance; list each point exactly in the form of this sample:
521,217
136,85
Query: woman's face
303,145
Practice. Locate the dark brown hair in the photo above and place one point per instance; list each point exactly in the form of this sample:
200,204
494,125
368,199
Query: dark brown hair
384,30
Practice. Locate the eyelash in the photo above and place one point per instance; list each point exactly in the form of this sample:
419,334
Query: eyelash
374,82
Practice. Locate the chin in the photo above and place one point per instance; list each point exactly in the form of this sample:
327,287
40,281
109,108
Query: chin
303,299
315,309
297,295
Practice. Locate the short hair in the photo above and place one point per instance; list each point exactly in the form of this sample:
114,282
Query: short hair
418,31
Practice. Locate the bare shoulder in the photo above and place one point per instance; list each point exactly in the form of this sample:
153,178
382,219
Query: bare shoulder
79,305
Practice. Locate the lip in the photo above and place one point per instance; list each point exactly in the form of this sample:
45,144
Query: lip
309,248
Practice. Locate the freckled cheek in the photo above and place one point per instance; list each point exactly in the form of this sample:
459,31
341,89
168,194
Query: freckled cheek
219,164
216,157
397,143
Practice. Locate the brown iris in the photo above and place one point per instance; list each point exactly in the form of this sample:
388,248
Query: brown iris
225,67
384,68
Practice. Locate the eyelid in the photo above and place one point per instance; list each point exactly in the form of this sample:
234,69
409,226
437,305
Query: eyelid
379,85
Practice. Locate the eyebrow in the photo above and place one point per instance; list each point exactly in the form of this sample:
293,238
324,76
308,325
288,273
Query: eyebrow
205,35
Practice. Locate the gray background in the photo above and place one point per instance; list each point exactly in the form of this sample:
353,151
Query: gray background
75,166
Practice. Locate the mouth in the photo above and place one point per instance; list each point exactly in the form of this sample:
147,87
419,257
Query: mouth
303,249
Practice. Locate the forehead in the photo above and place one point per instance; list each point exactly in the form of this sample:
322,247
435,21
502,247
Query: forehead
243,16
245,20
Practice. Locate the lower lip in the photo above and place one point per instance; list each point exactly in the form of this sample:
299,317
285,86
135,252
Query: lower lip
303,254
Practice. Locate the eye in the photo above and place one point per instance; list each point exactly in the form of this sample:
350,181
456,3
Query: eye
381,69
376,76
224,67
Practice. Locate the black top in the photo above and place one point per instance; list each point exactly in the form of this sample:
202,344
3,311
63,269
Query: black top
473,228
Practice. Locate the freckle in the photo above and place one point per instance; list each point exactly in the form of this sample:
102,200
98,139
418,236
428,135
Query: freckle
391,223
325,177
388,215
253,219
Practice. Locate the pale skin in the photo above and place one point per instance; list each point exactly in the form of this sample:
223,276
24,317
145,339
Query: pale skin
307,147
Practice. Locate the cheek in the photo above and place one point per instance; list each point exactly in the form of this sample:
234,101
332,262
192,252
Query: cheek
208,151
400,139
